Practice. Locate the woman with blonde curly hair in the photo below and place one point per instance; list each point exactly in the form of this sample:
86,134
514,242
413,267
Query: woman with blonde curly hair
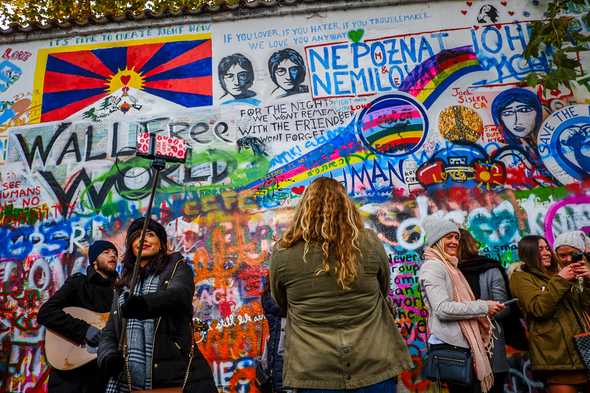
330,276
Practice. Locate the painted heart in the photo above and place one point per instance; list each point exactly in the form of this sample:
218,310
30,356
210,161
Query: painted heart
469,3
494,228
464,12
504,3
510,13
431,173
356,35
298,190
476,27
125,79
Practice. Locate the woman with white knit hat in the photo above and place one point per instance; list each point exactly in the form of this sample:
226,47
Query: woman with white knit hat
554,297
571,246
455,317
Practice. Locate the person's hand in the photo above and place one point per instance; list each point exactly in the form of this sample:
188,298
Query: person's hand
135,308
92,336
113,364
494,307
568,273
581,269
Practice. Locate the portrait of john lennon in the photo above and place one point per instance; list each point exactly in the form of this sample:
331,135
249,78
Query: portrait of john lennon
287,70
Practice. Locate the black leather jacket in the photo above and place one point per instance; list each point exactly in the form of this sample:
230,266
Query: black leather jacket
171,306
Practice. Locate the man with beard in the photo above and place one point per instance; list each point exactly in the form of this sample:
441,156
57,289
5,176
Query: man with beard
92,291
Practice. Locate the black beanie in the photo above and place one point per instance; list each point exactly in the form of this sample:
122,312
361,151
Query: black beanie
98,247
153,226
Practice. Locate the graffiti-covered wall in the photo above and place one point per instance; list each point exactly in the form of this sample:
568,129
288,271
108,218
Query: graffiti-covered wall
417,110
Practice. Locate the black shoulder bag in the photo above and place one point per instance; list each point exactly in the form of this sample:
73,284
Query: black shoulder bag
582,340
448,363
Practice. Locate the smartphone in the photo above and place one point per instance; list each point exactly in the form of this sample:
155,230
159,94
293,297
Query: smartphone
577,257
168,148
508,302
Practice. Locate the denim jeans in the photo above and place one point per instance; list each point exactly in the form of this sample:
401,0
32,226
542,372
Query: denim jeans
388,386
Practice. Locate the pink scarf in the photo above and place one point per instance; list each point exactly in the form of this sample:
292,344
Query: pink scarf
477,331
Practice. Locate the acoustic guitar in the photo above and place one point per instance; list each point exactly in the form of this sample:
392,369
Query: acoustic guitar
64,354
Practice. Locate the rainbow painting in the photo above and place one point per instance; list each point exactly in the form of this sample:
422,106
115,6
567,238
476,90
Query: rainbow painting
176,69
430,79
393,125
334,153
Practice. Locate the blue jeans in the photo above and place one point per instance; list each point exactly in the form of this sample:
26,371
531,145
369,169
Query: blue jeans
388,386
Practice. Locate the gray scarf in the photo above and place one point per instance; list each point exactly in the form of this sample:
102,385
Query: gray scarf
140,336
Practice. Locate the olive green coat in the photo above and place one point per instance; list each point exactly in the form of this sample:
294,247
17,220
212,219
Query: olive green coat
552,307
336,339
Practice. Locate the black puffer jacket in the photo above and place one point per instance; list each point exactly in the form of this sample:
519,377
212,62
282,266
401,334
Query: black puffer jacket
171,306
93,292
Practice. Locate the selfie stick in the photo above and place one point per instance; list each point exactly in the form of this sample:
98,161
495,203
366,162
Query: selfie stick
158,164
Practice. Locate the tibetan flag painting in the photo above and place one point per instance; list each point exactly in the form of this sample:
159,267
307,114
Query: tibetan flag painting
95,81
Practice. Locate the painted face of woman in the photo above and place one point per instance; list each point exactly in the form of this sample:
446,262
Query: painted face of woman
518,118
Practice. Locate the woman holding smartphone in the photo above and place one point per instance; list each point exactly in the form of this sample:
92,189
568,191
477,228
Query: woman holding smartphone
456,318
487,281
571,247
554,312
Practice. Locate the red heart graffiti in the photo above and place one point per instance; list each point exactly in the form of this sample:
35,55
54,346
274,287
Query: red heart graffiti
469,3
464,12
504,3
125,79
432,173
510,13
298,190
476,27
